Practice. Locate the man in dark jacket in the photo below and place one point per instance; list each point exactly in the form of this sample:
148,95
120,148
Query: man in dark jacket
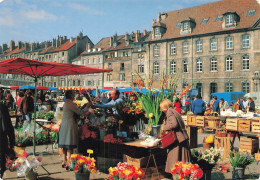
27,106
6,130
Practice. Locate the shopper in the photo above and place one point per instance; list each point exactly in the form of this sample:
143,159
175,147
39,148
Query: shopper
9,99
6,134
177,105
187,104
179,151
68,133
223,105
27,106
251,105
198,106
215,105
236,106
19,114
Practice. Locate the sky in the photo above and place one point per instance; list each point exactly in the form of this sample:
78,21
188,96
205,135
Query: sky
42,20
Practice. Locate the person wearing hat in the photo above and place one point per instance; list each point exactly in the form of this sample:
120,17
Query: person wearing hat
198,106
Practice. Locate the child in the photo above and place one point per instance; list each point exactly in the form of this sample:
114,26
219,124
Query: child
208,110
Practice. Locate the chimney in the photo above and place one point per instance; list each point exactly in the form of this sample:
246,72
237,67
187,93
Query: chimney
20,45
32,47
0,49
27,48
46,45
12,45
111,41
137,36
126,37
61,40
58,41
144,32
71,39
159,17
4,47
65,39
53,42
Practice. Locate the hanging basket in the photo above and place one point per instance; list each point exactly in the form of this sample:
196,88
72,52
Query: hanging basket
82,176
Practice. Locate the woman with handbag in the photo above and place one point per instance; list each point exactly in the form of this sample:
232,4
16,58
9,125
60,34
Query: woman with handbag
179,150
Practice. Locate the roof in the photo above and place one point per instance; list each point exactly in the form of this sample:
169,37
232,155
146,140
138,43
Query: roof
211,11
65,46
46,50
16,50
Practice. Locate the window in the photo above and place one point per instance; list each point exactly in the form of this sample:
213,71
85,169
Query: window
245,41
250,12
125,54
213,64
88,61
245,63
213,87
122,66
173,49
229,87
141,68
205,20
185,26
245,87
156,68
94,83
185,66
109,65
109,77
94,60
54,84
89,83
213,44
62,54
122,76
229,20
156,50
199,87
199,65
100,82
185,47
157,32
99,60
173,67
73,83
178,25
55,56
219,18
229,42
229,64
199,45
78,82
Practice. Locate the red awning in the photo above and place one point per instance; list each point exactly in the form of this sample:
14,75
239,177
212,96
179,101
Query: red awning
36,68
42,88
14,87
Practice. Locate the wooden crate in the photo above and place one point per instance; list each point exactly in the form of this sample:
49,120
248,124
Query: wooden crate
185,120
257,156
224,143
191,120
249,143
248,150
220,132
255,127
211,122
232,124
256,119
200,121
137,162
244,125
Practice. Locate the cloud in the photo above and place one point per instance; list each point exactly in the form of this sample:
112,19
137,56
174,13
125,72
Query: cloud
86,9
1,1
38,15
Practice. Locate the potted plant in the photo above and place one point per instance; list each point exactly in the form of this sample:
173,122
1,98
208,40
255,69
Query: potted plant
182,170
82,166
206,160
239,161
124,171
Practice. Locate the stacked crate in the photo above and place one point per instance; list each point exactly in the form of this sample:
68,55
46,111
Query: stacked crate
232,124
211,122
200,121
248,144
191,120
244,125
255,126
184,118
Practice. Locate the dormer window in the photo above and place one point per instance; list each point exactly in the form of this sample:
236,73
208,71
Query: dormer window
229,20
185,26
157,32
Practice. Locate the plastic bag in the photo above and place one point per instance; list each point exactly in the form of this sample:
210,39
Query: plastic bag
30,162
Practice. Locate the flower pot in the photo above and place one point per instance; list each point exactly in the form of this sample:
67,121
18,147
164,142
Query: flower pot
31,175
102,134
238,173
82,176
206,174
156,131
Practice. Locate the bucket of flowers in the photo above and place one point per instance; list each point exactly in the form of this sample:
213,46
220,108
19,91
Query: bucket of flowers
82,166
124,171
206,159
182,170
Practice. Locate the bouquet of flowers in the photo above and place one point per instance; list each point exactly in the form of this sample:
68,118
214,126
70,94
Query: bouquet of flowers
13,163
207,159
124,171
82,164
241,159
110,122
22,138
186,171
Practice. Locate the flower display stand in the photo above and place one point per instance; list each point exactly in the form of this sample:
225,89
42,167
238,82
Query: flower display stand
238,173
82,176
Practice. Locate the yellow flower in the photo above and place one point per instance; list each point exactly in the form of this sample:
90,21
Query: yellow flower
120,121
151,115
74,156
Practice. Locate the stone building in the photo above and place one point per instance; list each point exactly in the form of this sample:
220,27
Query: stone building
216,46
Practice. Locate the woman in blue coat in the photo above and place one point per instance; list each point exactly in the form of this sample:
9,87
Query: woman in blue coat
198,106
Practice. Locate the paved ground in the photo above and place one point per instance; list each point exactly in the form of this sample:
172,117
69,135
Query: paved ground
51,161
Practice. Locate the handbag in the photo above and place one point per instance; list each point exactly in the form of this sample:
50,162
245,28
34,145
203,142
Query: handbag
168,138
